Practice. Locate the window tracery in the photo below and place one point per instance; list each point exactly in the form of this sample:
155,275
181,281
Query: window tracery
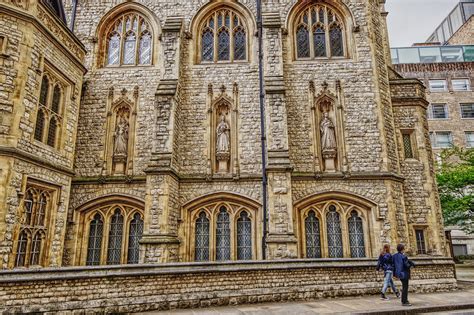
112,235
356,235
319,33
129,41
223,37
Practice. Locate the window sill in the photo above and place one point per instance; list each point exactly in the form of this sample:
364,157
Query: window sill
439,119
324,60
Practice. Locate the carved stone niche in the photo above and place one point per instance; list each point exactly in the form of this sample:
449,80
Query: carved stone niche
223,135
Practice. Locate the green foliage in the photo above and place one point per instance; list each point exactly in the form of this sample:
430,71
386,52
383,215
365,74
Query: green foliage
456,187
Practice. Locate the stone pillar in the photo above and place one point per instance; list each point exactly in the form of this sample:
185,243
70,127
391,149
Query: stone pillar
160,241
281,240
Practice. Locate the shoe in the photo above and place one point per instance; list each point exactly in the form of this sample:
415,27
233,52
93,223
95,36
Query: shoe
406,304
397,294
383,297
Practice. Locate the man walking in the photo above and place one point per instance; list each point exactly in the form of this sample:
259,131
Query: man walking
402,271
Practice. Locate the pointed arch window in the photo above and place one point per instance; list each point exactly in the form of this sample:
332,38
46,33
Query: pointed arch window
326,38
223,37
334,233
36,249
244,237
356,235
313,237
21,249
223,235
136,232
114,250
129,41
95,240
202,238
39,128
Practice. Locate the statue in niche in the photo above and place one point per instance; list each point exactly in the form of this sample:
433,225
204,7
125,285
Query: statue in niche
223,145
223,139
121,138
328,142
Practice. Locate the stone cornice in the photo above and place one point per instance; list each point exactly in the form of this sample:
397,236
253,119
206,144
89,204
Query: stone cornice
34,159
98,180
347,176
54,29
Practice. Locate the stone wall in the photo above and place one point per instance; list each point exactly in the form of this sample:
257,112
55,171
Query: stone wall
163,287
463,36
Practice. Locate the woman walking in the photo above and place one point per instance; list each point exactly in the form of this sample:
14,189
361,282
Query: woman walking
386,264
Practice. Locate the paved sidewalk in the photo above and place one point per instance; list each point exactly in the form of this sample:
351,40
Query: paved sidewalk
422,303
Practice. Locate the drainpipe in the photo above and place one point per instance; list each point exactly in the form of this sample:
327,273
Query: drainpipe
262,127
73,15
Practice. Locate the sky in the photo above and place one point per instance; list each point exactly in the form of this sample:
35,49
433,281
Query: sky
413,21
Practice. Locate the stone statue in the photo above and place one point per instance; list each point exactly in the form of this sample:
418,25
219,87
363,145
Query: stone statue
223,139
328,135
121,138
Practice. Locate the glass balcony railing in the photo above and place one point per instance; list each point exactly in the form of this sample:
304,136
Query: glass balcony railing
432,54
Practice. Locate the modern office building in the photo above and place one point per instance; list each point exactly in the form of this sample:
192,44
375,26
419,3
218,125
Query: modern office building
456,21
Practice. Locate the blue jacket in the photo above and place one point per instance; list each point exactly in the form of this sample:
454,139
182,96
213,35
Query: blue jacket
385,262
402,266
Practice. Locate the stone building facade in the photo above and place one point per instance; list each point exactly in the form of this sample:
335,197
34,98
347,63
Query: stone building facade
162,159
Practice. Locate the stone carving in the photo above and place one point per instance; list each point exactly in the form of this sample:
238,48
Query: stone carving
328,142
223,144
121,138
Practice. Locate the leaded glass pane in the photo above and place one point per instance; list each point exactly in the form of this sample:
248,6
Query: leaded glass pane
337,46
227,20
41,210
95,241
319,37
208,45
39,128
28,207
114,250
356,236
136,232
313,238
313,16
239,44
330,16
302,42
223,40
321,16
129,49
407,146
43,99
223,235
244,237
145,49
202,238
334,233
35,250
114,50
56,99
21,249
219,20
53,125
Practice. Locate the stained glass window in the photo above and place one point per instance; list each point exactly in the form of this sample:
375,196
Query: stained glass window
356,236
313,238
56,99
223,37
244,237
35,250
223,235
334,233
39,127
122,46
53,125
302,39
337,45
21,249
202,238
114,250
43,100
326,26
136,232
95,241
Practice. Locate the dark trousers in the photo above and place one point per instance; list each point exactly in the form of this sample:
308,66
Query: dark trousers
404,290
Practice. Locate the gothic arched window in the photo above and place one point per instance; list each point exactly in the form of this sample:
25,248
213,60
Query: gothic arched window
94,247
223,37
114,247
326,38
21,249
129,41
43,99
313,237
334,233
223,235
39,128
202,238
244,237
36,249
356,235
135,234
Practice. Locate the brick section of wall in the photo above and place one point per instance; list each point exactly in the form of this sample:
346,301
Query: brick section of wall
155,287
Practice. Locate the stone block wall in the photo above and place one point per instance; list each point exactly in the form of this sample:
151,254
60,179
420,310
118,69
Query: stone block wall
162,287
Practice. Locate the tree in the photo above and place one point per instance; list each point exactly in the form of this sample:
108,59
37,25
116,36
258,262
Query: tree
456,187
